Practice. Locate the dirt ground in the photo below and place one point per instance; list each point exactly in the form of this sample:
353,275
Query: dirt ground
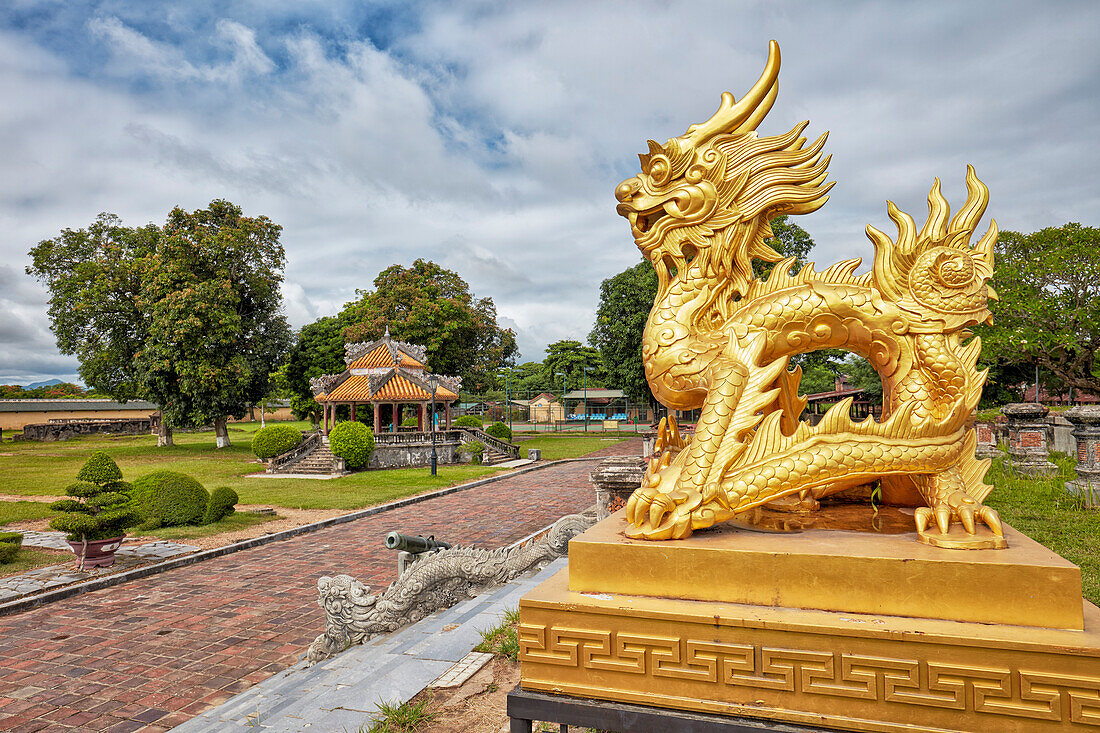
479,705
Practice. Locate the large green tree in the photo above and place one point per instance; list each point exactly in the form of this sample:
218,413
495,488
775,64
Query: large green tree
571,358
95,276
626,299
1048,312
318,349
432,306
625,302
187,315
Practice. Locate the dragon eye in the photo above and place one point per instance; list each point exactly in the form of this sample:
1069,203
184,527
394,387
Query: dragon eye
659,169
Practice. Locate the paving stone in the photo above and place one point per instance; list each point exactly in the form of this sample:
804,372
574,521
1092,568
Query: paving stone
463,670
263,599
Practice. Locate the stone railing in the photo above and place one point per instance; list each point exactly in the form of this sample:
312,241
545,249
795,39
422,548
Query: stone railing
418,437
500,446
309,442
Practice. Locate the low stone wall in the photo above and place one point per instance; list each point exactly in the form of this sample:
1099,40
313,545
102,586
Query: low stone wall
52,431
413,454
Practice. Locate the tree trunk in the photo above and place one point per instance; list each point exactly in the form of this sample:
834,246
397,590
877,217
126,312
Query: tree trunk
221,432
164,434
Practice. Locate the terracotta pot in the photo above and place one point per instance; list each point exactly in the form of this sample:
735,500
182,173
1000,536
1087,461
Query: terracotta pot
100,553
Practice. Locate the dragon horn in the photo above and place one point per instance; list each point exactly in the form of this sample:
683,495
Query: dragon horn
745,115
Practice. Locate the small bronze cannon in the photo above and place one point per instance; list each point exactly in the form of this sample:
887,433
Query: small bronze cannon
414,544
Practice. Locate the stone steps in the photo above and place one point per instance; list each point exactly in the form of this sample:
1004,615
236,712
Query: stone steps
318,461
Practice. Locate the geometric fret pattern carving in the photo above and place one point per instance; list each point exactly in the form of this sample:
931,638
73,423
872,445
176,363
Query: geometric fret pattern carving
970,689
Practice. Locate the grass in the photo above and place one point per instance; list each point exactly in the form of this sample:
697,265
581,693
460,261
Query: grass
502,639
405,717
1043,510
46,468
28,559
235,521
21,511
558,446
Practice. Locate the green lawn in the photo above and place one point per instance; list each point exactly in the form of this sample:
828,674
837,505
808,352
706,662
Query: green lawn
29,558
558,446
1043,510
19,511
29,469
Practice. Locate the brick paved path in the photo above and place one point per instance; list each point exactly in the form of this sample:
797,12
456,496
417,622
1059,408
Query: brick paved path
152,653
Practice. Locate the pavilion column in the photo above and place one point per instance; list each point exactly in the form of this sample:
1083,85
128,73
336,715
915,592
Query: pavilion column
353,412
326,406
447,414
395,411
377,417
421,417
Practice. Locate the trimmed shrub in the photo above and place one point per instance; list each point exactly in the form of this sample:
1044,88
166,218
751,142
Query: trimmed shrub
100,507
475,449
499,430
352,441
409,422
10,542
221,504
100,469
468,421
275,440
173,498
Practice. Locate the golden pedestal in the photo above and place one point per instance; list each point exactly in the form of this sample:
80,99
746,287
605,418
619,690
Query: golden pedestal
910,638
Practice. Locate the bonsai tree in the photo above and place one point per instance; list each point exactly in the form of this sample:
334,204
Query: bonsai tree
99,509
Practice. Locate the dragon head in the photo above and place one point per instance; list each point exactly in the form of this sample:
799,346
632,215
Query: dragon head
711,192
935,273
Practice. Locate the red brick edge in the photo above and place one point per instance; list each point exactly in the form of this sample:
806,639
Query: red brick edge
31,601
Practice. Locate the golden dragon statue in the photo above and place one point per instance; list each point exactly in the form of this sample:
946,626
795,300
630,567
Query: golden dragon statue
720,340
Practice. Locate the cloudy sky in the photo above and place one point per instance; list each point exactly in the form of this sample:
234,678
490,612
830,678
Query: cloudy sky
489,136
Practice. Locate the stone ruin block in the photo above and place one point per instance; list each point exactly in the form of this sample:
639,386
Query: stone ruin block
615,480
1027,439
1086,431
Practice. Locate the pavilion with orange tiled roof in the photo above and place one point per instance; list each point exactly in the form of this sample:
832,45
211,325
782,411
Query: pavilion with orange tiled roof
385,374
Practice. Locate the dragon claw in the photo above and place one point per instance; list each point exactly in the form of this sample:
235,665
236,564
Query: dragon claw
943,518
992,519
955,504
966,516
922,515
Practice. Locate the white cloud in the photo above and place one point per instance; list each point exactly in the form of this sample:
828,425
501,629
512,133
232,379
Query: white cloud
490,137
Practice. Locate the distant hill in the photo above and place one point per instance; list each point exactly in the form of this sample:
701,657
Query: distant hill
47,383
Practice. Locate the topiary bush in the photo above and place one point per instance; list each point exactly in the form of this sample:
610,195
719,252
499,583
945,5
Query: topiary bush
275,440
10,542
352,441
500,430
221,504
410,422
468,421
100,508
170,497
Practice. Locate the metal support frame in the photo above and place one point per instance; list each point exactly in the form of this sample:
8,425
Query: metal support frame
525,707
